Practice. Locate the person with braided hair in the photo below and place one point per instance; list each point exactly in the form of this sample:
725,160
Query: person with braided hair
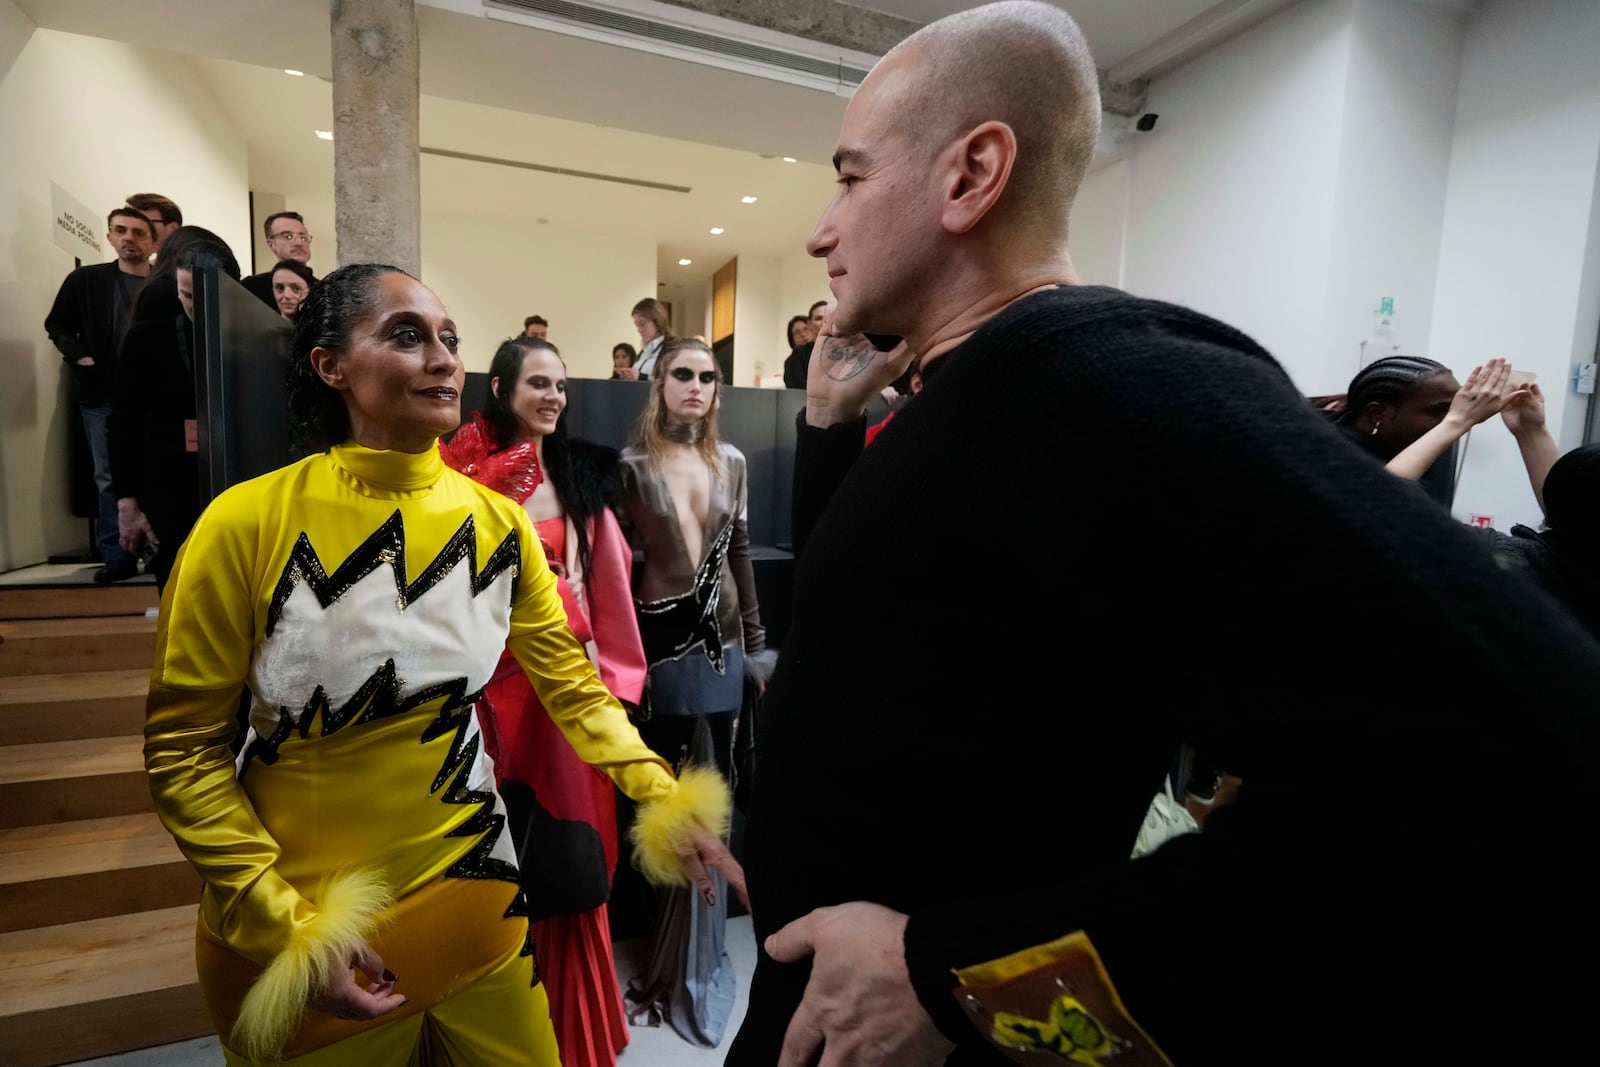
1392,403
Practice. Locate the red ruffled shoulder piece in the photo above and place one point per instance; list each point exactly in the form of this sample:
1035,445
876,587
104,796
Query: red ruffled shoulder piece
512,471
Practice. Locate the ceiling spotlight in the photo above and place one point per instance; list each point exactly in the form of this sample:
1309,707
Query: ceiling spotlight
294,73
718,230
747,200
790,159
326,135
684,262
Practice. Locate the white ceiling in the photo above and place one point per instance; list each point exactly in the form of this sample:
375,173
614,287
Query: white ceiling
499,89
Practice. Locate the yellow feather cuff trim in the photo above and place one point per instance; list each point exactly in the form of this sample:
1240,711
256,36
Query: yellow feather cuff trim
662,824
349,905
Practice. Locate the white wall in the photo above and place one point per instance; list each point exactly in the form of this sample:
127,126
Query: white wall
102,120
1099,225
1231,198
1518,274
1394,159
491,278
758,318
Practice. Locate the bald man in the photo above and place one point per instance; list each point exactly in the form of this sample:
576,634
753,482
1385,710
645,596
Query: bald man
1128,532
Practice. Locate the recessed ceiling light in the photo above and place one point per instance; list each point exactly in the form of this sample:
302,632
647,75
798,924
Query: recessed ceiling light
718,230
326,135
684,262
294,73
747,200
790,159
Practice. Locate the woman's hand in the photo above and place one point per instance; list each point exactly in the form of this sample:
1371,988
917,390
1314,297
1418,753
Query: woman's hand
1524,412
1487,389
133,528
345,998
702,849
628,374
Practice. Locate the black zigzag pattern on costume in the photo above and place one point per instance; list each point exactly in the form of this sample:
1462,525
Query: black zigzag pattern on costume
387,544
377,698
479,862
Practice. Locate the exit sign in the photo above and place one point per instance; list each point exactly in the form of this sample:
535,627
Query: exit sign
1482,522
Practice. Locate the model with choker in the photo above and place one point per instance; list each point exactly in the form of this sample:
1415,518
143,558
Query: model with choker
684,501
362,900
560,810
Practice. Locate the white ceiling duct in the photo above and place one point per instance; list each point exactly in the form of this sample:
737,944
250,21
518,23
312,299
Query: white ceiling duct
662,29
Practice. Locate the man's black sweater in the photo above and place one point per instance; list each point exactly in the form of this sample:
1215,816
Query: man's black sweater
1124,529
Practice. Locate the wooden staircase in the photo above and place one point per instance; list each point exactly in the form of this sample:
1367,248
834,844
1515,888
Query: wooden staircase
97,906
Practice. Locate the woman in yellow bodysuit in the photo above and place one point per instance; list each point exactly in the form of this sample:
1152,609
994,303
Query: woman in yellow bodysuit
361,903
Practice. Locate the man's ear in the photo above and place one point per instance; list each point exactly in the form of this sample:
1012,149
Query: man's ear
980,170
326,362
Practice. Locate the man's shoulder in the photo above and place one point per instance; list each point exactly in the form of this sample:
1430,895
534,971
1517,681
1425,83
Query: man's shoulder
1094,330
91,273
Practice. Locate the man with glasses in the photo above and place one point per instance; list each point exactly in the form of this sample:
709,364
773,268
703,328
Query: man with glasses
164,215
289,242
92,310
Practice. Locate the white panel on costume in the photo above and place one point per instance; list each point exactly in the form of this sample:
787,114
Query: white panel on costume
443,635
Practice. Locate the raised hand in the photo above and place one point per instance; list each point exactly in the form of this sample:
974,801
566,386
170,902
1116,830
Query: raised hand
1524,412
1484,393
846,371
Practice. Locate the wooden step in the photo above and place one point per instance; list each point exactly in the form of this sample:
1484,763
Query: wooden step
86,989
63,646
76,601
67,707
89,869
58,781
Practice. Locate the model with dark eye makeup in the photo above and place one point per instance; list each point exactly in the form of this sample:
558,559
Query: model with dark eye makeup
684,498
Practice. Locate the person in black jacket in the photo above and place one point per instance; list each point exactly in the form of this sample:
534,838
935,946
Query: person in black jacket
155,452
289,240
92,310
1128,532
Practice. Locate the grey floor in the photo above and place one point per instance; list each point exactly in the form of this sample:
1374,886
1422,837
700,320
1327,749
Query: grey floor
648,1048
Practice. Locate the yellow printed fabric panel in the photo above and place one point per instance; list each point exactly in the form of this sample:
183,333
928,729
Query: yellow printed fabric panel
1055,1003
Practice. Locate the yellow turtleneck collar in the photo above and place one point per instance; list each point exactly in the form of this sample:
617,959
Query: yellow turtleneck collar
380,473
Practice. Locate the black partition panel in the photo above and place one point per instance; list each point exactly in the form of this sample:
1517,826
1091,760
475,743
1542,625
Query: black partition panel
758,422
240,396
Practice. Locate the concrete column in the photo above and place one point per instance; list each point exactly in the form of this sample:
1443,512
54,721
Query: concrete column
377,188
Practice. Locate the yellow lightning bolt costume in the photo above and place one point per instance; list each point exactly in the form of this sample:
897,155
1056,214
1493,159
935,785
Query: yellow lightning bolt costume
363,599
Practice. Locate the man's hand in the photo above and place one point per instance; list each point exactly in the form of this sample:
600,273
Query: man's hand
627,374
846,372
133,528
859,1007
345,998
704,849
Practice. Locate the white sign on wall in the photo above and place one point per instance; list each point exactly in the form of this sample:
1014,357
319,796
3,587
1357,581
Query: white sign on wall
76,228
